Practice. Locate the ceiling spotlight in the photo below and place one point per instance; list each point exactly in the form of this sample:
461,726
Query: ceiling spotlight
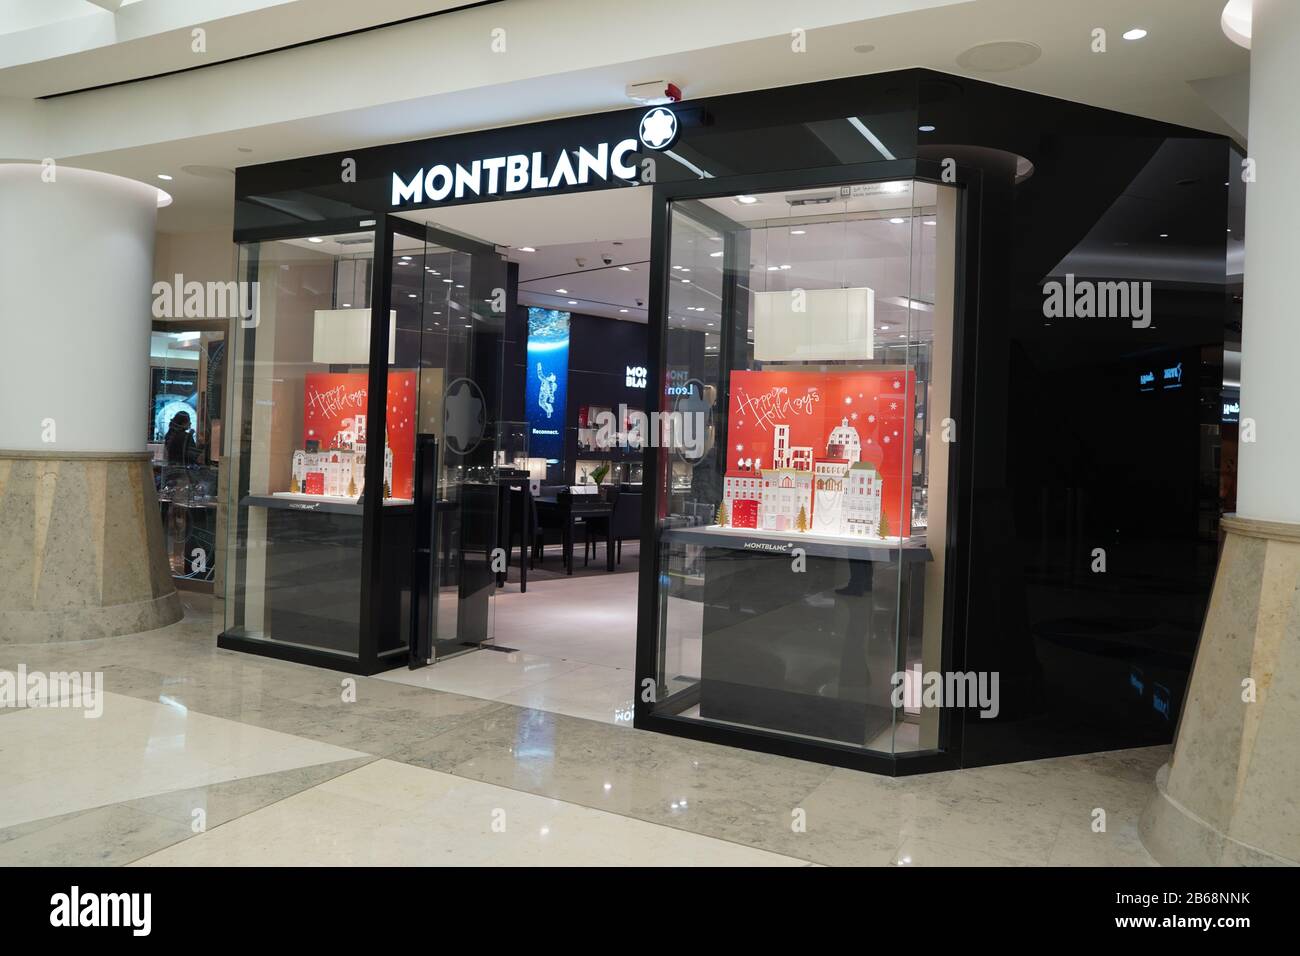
527,249
573,302
926,129
798,232
347,305
164,176
411,295
929,222
622,310
897,222
562,291
715,255
406,258
624,269
746,200
1135,34
785,265
315,239
1164,235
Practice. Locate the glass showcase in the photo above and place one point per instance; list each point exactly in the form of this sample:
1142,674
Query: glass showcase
321,533
801,512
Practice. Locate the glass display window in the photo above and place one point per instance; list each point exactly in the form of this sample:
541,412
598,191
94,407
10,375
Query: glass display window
808,351
298,462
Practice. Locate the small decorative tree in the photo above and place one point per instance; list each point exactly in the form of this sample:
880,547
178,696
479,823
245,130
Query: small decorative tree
723,519
883,528
352,487
801,522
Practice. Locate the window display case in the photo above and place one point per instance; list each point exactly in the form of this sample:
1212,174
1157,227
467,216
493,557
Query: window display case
800,581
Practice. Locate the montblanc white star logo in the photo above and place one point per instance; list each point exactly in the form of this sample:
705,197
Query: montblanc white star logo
658,128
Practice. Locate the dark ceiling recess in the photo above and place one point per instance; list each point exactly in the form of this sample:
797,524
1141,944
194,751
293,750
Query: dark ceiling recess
278,49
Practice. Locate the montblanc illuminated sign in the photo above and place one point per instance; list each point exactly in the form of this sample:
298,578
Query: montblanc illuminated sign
518,172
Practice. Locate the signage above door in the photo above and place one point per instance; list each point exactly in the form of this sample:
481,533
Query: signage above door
534,171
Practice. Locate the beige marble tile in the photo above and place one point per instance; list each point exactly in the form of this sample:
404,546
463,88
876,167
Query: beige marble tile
394,814
57,761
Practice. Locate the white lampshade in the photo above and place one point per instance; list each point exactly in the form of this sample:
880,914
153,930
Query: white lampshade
342,337
830,324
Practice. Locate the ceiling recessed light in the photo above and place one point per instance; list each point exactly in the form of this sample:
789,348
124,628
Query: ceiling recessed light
798,232
864,48
347,305
746,200
715,238
897,222
686,282
785,265
527,249
624,269
884,328
573,302
406,258
926,129
1137,33
164,176
715,255
1164,235
448,281
562,291
772,268
411,295
622,310
929,222
315,239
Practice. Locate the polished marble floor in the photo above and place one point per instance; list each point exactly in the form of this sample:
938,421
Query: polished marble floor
208,756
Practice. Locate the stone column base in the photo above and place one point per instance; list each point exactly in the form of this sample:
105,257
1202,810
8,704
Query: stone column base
1228,796
81,548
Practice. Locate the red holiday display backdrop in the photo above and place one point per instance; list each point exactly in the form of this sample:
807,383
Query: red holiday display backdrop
880,405
332,400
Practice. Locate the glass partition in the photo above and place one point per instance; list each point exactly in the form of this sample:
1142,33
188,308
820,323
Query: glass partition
297,469
183,429
801,527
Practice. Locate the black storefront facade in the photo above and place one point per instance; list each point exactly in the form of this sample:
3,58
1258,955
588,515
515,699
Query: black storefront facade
1071,447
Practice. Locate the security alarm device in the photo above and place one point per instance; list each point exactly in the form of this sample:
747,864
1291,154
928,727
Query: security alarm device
654,93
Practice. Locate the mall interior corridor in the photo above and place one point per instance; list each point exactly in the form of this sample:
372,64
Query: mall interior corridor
285,772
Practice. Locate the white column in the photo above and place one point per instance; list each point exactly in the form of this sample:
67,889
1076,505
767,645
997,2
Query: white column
76,269
81,536
1270,341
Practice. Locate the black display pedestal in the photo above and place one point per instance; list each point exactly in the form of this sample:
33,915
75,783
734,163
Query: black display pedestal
808,651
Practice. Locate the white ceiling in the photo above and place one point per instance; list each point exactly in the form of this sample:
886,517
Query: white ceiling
567,57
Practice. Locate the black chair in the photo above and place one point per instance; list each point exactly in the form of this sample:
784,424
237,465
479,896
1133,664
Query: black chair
551,522
626,519
589,549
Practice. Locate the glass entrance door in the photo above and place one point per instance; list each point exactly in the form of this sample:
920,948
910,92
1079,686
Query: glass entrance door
454,341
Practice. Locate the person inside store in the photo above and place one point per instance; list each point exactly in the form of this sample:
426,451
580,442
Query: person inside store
179,448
